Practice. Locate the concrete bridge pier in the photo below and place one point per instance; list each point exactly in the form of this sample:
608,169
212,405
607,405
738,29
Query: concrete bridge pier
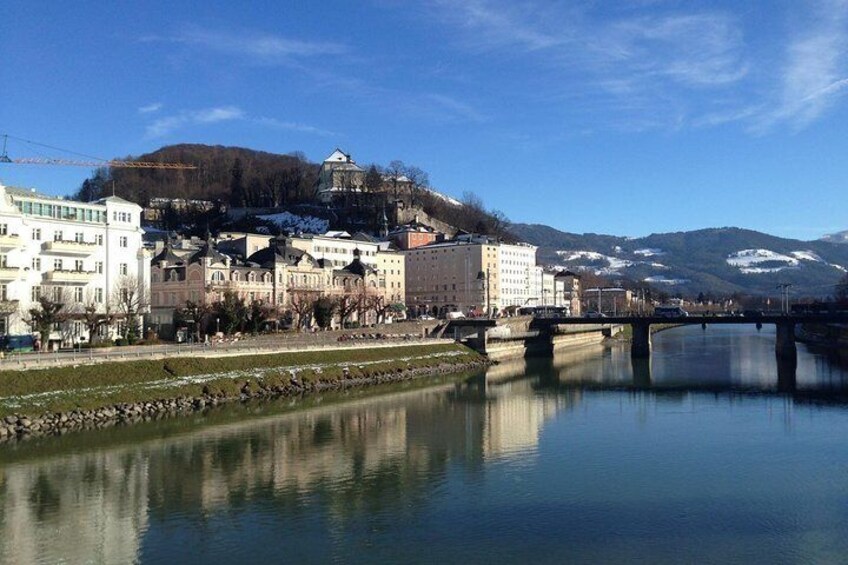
641,372
786,374
784,346
640,345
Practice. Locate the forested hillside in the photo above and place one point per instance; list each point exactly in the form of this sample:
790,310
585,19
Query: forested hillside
235,175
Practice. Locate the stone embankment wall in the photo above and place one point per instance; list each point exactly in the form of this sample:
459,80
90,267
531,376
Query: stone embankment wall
16,427
501,349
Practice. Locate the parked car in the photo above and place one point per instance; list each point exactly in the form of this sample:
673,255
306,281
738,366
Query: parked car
593,314
454,316
426,317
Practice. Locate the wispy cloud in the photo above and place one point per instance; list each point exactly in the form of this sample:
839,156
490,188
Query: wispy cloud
262,47
333,75
167,125
294,126
641,62
815,70
150,108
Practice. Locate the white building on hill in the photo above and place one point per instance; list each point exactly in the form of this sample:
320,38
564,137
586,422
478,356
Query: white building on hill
81,254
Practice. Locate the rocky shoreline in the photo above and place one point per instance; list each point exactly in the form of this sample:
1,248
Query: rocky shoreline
18,427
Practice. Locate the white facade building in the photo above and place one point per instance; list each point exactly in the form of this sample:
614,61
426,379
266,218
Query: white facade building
520,278
80,253
337,247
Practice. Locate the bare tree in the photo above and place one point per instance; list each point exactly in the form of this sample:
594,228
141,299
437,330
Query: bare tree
48,310
394,171
347,303
302,303
132,300
95,315
419,180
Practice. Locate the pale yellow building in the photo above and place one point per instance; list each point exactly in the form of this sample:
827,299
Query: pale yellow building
453,276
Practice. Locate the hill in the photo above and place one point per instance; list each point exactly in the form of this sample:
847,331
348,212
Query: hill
719,260
838,237
232,174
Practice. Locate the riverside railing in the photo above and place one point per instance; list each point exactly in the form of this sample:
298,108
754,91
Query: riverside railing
128,353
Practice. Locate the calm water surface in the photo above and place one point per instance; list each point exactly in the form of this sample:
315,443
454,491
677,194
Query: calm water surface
704,454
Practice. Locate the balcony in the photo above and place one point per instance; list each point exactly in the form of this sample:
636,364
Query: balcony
8,307
68,277
69,248
9,273
9,241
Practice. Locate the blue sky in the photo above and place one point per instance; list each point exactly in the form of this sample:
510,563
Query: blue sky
609,117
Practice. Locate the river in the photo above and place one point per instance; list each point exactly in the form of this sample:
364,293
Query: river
702,454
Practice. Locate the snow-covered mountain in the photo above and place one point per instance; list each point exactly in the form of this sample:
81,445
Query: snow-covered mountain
722,260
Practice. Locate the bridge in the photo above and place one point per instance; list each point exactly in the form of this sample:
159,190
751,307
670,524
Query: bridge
640,346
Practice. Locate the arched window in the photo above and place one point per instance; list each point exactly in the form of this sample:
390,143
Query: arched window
173,276
217,276
251,277
235,276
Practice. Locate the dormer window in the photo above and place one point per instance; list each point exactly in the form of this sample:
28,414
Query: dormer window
173,276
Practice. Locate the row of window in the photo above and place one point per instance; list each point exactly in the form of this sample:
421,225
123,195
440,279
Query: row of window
59,235
60,212
57,294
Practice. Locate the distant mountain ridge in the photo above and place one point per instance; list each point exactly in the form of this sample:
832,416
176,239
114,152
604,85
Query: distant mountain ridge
838,237
717,260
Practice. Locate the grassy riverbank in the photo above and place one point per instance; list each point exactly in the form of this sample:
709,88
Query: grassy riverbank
87,387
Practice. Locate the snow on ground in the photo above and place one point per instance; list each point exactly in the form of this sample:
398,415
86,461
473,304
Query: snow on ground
293,222
660,279
613,265
748,259
649,252
806,256
446,198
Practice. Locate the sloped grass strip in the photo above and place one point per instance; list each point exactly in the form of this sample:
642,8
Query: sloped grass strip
92,386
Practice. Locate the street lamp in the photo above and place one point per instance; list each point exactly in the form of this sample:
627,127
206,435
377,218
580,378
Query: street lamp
217,326
483,277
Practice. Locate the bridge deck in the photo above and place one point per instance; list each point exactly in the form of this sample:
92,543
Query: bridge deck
707,319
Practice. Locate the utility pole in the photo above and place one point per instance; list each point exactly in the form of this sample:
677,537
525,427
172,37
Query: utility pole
784,297
600,310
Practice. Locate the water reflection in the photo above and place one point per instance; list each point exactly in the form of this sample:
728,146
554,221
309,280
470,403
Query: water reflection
319,481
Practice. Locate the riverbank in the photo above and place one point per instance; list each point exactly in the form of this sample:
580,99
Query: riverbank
58,400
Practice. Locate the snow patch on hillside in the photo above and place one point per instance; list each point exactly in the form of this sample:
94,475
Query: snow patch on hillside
649,252
445,197
806,256
612,266
660,279
294,223
748,259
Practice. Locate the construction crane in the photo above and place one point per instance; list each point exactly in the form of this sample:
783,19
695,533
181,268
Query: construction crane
93,162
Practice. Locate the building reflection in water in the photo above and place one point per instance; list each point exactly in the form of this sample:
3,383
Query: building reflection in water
384,452
90,508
